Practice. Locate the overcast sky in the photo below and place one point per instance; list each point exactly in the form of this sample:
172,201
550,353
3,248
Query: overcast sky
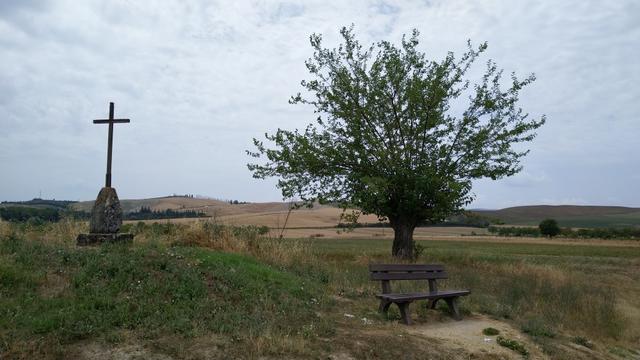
200,79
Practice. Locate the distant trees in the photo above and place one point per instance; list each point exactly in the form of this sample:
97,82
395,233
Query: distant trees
145,213
386,141
25,213
549,227
583,233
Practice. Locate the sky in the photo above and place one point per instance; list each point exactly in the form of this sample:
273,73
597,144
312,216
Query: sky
200,79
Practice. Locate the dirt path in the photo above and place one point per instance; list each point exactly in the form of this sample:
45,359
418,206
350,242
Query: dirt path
467,336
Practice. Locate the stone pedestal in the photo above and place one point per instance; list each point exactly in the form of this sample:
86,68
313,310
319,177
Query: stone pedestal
106,220
92,238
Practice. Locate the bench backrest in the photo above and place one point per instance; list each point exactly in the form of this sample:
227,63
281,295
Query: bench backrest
387,272
407,271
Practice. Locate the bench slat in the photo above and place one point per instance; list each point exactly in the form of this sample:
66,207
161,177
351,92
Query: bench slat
409,276
406,267
423,296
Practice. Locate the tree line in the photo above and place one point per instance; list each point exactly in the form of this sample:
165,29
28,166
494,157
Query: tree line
145,213
598,233
49,214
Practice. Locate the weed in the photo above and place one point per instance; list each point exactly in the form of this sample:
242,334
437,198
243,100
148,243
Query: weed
583,341
513,345
490,331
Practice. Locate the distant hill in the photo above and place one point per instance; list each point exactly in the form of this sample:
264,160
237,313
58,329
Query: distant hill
567,215
40,203
211,207
274,214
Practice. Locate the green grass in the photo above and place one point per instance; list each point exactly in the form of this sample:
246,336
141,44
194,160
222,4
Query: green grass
152,289
490,250
513,345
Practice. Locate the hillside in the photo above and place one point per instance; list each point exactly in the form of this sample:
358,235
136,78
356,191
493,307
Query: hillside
273,214
39,203
567,215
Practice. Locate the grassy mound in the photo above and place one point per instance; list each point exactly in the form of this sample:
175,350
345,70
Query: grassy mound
63,294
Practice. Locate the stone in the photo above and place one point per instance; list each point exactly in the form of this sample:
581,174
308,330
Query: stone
94,239
106,220
106,216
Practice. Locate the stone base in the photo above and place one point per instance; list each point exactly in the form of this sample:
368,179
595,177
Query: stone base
95,239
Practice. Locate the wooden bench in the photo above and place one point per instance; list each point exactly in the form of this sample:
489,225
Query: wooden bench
388,272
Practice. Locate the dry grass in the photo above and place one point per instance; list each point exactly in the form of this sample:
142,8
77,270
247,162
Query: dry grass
549,289
242,240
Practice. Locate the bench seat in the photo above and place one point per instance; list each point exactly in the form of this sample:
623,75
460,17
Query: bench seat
404,297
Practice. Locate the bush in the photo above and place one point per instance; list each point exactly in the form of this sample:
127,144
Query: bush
549,227
490,331
514,231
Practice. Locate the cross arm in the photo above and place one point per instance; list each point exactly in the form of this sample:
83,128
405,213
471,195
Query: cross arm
106,121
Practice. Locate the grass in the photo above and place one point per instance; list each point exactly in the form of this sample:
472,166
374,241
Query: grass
543,289
58,295
181,285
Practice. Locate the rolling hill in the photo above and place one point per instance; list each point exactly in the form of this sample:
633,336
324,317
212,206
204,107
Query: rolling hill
567,215
274,214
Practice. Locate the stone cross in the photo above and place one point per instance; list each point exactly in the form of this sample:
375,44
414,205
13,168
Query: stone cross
110,121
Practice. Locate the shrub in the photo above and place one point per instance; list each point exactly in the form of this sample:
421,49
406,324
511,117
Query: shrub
490,331
582,341
549,227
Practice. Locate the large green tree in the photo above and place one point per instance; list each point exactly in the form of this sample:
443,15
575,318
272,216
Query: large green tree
387,140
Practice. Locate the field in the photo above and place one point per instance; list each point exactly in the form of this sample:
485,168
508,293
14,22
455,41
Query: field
568,216
203,290
274,214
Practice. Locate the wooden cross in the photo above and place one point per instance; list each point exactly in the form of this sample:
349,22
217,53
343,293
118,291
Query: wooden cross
110,121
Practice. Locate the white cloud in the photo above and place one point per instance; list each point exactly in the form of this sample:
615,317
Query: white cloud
199,79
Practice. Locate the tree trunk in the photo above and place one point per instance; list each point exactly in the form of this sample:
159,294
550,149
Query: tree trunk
403,239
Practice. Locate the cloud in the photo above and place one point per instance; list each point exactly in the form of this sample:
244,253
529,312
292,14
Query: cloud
199,79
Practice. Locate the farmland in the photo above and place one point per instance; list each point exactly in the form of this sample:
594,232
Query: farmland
315,297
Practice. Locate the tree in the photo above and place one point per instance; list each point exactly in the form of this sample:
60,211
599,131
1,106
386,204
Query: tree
386,140
549,227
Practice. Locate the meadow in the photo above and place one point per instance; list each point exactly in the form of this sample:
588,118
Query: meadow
206,290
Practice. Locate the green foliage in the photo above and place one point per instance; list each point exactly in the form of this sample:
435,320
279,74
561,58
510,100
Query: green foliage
385,140
145,213
514,231
490,331
549,227
513,345
597,233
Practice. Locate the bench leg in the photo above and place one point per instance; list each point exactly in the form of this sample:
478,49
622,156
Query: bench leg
453,306
432,303
404,312
384,306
